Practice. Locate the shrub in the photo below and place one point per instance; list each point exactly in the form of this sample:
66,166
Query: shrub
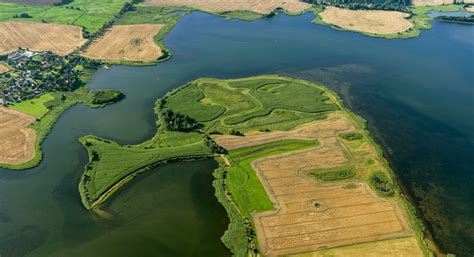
382,183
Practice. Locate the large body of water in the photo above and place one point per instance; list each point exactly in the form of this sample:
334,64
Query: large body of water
417,94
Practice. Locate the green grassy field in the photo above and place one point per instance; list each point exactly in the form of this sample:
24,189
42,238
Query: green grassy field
110,163
242,181
257,103
35,107
89,14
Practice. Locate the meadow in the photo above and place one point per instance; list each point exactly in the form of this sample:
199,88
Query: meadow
257,103
35,107
111,164
88,14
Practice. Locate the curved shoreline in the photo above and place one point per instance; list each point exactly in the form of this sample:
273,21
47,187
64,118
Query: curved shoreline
239,218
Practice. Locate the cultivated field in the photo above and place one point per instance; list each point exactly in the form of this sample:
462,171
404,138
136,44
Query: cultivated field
17,141
470,8
401,247
373,21
310,215
4,68
32,1
60,39
221,6
91,15
127,43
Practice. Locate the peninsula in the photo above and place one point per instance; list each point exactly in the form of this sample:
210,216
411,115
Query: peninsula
290,171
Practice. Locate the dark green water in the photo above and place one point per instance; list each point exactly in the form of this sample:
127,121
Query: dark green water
417,94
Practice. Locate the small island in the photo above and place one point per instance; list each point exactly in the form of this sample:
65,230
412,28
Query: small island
283,164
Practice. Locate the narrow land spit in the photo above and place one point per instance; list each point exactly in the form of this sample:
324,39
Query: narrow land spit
60,39
438,2
372,21
257,6
127,43
17,141
310,215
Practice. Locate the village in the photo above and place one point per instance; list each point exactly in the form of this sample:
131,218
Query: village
36,73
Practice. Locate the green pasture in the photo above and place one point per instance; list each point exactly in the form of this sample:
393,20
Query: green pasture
263,102
110,162
89,14
35,107
245,187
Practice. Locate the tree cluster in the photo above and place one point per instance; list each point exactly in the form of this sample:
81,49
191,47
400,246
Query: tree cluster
178,122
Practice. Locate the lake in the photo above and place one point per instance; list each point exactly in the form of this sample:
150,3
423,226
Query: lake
417,95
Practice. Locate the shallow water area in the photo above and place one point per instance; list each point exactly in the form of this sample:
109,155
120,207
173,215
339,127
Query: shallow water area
417,95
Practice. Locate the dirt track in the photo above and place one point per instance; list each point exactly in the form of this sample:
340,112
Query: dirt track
17,141
373,21
309,215
60,39
127,43
257,6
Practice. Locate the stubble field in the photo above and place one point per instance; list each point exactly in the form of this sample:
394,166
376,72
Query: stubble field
310,215
4,68
17,141
127,43
258,6
372,21
60,39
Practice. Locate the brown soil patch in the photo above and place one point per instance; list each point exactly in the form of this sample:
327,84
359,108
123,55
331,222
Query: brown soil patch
373,21
60,39
127,43
256,6
309,215
17,141
3,68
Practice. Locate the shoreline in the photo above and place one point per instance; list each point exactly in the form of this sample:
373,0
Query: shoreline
239,223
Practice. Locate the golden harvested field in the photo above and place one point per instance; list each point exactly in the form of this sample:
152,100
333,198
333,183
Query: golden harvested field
127,43
310,215
373,21
257,6
17,141
3,68
402,247
470,8
60,39
329,127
